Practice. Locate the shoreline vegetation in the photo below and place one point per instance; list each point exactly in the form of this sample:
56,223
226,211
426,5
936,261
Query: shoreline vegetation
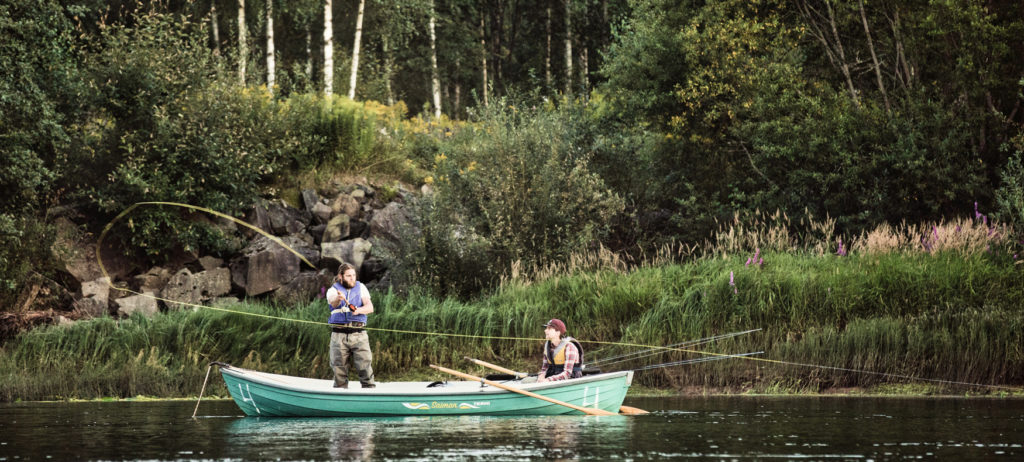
947,311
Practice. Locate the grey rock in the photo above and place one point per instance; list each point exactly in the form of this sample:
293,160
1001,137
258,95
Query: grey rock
209,263
180,288
310,198
322,212
337,229
346,204
388,223
153,280
372,268
98,290
144,304
91,307
353,251
224,302
304,288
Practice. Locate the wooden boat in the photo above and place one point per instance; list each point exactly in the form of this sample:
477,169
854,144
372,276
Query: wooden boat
264,394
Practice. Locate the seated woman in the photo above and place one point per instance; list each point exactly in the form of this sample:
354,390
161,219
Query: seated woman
563,356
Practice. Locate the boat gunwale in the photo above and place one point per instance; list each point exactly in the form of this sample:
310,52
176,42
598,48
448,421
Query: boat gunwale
256,377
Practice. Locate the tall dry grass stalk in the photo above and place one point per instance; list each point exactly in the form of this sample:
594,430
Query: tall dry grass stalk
964,236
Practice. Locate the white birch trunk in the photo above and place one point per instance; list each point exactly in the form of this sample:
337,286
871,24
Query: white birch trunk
568,49
433,64
355,52
328,50
483,57
389,64
547,57
270,46
309,52
216,29
243,46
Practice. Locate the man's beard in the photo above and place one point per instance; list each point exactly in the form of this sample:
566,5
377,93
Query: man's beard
346,285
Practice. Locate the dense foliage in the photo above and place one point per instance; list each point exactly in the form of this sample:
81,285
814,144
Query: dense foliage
668,117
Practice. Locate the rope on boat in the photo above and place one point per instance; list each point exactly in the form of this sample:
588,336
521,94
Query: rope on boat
675,347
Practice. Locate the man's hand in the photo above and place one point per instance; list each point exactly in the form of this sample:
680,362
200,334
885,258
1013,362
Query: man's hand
352,307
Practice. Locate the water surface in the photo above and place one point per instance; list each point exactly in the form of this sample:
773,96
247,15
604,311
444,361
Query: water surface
717,428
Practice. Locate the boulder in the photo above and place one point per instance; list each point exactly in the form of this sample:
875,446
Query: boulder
346,204
317,233
74,250
180,288
321,213
224,302
196,288
353,251
310,198
389,222
144,304
209,263
153,280
359,195
285,219
304,288
358,228
90,307
98,289
258,216
337,229
265,265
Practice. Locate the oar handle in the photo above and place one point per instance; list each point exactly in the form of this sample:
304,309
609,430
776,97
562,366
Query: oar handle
585,410
495,367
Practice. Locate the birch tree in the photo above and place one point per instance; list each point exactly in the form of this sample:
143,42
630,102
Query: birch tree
547,56
215,28
355,51
568,48
483,57
243,46
435,80
328,49
270,46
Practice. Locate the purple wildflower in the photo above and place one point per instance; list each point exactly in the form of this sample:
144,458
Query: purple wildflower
323,292
935,233
958,229
976,213
748,262
842,250
732,281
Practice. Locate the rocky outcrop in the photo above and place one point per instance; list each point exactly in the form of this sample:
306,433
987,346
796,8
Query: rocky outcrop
341,227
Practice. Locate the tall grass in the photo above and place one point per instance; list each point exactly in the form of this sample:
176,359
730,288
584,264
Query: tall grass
946,313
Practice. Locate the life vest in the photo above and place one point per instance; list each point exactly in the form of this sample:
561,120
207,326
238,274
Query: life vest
342,314
556,358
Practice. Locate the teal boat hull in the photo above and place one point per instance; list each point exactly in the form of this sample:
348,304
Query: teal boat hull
272,395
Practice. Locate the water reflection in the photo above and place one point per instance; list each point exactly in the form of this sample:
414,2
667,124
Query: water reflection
561,437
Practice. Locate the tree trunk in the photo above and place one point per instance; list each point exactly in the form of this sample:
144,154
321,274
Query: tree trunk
483,57
874,57
568,48
842,55
328,49
585,72
309,51
547,57
215,28
355,52
270,46
435,80
243,46
389,64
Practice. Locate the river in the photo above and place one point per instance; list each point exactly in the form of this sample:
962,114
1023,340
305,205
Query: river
714,428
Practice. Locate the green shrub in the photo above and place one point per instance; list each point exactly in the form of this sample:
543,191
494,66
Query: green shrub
1010,196
513,187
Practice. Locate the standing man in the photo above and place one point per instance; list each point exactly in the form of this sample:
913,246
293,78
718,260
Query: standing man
349,302
563,356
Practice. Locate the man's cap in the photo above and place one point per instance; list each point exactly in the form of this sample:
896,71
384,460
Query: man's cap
556,324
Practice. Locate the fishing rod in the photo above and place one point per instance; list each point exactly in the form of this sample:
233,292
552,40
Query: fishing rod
703,359
652,351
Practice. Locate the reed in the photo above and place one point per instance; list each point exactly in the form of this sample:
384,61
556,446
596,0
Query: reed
941,314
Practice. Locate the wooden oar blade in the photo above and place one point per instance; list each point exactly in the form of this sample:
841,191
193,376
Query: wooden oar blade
629,410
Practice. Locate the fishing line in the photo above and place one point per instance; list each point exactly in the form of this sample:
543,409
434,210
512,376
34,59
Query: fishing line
747,356
647,351
697,360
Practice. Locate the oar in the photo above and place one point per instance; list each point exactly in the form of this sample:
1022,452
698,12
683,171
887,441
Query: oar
496,367
585,410
629,410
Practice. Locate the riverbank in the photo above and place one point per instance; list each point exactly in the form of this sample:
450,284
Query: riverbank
827,323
